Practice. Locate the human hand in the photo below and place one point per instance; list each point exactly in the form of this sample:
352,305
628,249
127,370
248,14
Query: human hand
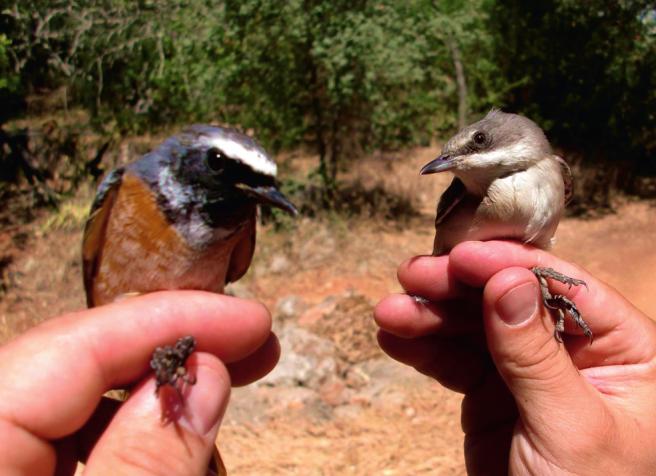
531,405
52,412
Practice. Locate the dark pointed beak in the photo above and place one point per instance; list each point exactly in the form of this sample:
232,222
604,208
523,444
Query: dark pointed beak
270,195
443,163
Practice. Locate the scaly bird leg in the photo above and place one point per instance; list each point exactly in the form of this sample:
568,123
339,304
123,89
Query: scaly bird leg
168,362
559,302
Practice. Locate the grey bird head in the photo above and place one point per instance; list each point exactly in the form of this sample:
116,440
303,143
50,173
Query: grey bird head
498,144
217,169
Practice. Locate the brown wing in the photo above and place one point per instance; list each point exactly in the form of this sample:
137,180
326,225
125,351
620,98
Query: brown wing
94,230
568,179
242,254
449,199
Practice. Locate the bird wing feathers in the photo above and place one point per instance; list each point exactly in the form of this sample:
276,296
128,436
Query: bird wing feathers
568,178
96,225
242,254
449,199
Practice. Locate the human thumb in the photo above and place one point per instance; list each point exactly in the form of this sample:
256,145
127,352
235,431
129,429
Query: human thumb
164,434
537,369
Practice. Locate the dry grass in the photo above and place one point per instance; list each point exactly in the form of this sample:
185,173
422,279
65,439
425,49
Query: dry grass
71,215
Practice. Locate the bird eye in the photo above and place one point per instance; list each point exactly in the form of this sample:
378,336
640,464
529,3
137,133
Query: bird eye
480,138
215,160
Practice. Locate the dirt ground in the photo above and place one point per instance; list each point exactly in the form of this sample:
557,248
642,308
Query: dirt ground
336,404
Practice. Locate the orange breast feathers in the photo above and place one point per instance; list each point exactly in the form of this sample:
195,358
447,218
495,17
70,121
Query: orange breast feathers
141,251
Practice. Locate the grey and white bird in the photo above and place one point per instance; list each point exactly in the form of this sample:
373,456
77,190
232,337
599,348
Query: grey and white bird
508,184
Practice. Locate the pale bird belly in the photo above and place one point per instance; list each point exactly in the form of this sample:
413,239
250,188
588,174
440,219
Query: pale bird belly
143,253
524,206
469,222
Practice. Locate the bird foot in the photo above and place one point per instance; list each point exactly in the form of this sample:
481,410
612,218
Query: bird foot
168,362
561,303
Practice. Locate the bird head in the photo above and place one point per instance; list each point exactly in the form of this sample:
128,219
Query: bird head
497,145
220,166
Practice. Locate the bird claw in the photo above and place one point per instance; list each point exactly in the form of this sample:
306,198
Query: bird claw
561,303
553,274
168,362
560,324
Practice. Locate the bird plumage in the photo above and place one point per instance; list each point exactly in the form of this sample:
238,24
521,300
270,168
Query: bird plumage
181,217
507,184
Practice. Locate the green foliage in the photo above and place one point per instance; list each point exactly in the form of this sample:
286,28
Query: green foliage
343,76
346,76
588,73
134,64
10,91
6,78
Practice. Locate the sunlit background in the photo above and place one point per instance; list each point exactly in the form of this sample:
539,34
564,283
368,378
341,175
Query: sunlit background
352,97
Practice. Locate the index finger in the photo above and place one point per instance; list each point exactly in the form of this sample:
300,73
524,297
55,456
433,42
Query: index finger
76,358
428,277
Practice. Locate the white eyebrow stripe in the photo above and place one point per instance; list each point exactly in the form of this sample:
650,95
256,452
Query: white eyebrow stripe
254,158
512,154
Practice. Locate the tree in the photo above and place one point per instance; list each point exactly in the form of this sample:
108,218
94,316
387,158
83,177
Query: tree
588,74
353,75
127,60
343,76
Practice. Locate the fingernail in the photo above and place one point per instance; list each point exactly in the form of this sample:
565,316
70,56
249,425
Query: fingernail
518,305
202,405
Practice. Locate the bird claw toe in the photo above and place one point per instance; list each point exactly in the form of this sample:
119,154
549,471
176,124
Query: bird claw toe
561,303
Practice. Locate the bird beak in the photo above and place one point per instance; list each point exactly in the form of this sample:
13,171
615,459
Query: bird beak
270,195
442,163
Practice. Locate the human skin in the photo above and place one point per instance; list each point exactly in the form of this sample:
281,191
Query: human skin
531,404
52,410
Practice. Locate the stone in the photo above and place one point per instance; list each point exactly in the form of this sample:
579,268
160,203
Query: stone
314,314
289,307
279,264
333,392
306,359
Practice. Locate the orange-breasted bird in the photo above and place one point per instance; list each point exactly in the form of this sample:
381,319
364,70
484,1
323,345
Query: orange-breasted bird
181,217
